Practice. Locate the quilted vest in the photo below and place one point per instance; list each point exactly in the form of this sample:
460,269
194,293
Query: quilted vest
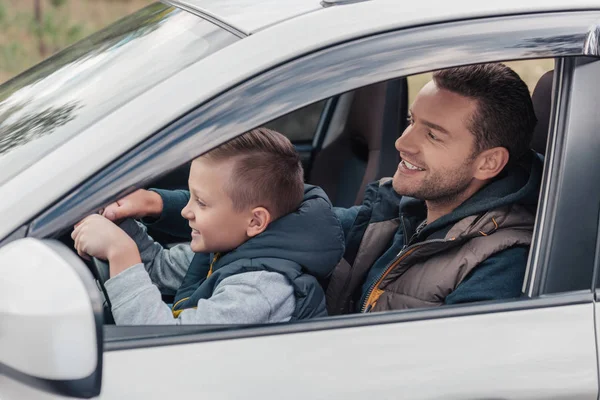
424,273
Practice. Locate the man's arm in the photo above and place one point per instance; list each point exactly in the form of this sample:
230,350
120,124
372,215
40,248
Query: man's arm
346,216
248,298
158,208
499,277
170,220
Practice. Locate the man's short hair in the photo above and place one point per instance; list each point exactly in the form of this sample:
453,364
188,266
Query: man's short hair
267,171
505,116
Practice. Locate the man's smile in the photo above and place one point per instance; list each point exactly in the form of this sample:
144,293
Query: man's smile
407,167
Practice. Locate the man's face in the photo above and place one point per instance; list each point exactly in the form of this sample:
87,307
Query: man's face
216,225
436,148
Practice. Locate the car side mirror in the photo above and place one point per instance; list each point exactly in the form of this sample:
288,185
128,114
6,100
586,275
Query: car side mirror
51,332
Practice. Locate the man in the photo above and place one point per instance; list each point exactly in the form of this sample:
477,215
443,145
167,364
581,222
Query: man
455,222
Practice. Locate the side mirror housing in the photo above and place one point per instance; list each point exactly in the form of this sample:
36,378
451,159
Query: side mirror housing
51,332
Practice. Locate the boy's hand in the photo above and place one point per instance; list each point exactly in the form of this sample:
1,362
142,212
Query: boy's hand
139,204
96,236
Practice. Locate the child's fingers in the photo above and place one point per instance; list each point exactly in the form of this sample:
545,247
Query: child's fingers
111,211
76,230
84,255
79,246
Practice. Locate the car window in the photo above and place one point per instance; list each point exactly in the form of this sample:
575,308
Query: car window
35,117
529,70
300,125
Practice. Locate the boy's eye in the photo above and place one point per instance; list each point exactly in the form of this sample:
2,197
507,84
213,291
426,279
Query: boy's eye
200,203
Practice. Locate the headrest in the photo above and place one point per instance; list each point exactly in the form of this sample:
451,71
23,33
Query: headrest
542,103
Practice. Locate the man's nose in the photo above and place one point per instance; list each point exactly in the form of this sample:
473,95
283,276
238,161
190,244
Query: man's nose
408,141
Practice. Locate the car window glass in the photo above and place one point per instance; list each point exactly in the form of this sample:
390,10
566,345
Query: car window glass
300,125
35,117
529,70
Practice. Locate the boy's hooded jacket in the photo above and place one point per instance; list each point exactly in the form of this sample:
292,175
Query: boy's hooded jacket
304,246
272,277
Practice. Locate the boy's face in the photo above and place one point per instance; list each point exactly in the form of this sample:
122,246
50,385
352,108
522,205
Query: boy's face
216,225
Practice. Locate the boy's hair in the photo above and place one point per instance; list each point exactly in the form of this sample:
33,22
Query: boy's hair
505,116
267,171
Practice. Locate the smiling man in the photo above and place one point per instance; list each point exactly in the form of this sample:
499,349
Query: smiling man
455,222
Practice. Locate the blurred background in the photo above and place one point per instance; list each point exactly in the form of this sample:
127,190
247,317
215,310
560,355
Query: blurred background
32,30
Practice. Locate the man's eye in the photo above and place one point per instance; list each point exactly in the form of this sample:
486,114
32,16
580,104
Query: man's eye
410,120
431,135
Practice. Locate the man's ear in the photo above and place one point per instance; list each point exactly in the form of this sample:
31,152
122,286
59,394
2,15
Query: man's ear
261,218
491,162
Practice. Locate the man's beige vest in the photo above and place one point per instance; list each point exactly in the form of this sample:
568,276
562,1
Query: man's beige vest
423,274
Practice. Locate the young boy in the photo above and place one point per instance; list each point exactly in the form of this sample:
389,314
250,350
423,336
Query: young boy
260,240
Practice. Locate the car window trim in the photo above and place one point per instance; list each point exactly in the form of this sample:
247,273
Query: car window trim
567,260
201,333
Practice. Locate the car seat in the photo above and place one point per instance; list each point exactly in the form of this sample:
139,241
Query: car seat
364,151
542,105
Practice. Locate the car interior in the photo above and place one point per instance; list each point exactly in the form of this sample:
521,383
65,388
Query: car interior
351,145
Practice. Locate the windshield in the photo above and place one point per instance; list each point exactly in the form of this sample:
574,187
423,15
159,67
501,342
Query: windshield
60,97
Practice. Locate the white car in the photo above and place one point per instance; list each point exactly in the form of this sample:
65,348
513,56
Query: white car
142,98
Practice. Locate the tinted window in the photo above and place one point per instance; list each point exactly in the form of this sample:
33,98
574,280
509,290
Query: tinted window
55,100
300,125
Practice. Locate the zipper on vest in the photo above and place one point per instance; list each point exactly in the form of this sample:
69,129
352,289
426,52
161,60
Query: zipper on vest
405,252
366,307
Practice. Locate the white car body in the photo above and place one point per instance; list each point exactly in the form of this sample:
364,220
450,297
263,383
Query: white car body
542,347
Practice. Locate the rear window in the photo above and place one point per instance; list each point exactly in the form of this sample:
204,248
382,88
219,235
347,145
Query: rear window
53,101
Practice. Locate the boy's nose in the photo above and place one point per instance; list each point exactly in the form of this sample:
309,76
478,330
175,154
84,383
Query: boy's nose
185,213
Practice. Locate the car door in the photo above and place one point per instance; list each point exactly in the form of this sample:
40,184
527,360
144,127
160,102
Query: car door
538,347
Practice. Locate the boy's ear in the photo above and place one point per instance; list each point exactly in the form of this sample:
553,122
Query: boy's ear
261,218
491,162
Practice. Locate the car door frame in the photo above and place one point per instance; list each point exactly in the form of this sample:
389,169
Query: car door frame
339,69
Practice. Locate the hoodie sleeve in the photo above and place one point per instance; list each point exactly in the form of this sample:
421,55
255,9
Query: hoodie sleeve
247,298
171,221
499,277
166,267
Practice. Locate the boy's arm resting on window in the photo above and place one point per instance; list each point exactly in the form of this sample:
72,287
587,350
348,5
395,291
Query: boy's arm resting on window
247,298
171,221
166,267
497,278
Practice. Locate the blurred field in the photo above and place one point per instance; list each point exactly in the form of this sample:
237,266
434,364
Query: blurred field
63,23
67,21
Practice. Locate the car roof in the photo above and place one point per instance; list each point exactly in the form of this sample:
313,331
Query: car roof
250,16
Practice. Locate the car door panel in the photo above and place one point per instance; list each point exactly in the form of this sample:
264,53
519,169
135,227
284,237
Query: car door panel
538,353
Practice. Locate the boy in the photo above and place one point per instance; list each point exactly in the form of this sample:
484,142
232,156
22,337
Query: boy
268,237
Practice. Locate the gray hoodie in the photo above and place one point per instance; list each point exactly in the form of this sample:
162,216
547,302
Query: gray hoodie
248,298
